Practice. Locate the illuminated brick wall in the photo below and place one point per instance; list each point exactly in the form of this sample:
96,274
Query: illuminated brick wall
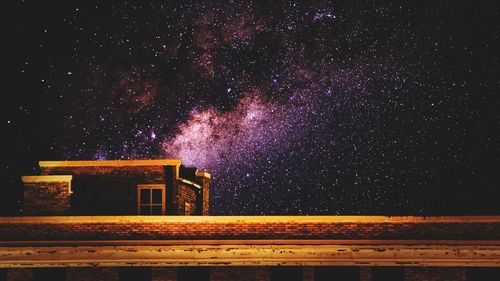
205,184
102,190
226,228
217,227
46,195
111,190
145,174
186,194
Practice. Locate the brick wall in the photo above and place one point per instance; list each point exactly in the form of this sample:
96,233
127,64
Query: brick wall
186,194
148,174
434,274
91,273
111,190
240,273
219,227
163,274
308,273
106,190
19,274
205,194
365,273
46,198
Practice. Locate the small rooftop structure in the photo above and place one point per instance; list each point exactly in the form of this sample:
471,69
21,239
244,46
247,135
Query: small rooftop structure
116,187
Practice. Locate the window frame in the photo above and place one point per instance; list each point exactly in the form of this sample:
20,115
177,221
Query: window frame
151,187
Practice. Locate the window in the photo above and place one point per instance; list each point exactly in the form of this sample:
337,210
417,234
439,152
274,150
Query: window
151,199
329,273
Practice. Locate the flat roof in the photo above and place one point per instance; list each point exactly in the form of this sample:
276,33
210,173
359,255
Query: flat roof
110,163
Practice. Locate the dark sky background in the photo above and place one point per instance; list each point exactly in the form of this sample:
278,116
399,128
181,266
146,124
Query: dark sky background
294,107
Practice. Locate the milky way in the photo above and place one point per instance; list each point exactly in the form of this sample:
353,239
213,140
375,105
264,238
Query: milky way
294,107
209,139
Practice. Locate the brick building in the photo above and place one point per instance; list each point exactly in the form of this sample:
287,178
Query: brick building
118,220
130,187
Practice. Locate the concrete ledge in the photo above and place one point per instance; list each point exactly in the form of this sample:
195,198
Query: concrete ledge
203,174
48,178
188,182
251,255
110,163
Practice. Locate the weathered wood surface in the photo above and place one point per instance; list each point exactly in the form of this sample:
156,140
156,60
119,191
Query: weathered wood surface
251,254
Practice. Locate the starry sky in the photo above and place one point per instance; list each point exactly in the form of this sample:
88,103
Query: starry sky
294,107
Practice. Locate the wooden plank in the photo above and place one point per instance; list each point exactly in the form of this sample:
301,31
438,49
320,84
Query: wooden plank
251,255
110,163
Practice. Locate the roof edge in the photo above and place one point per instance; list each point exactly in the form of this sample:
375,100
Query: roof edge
200,173
190,183
252,219
46,178
110,163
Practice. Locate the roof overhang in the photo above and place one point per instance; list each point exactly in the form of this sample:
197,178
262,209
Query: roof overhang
46,178
110,163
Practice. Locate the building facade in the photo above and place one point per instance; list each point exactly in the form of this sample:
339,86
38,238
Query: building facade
127,187
147,220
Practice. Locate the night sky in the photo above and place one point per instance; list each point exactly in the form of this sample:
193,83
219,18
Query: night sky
294,107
